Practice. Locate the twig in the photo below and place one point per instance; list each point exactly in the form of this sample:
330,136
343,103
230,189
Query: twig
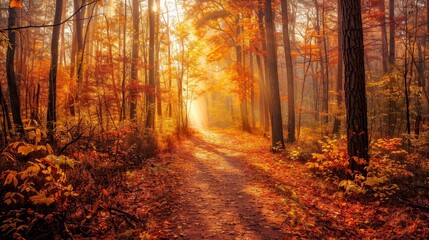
48,25
66,229
70,143
123,213
414,205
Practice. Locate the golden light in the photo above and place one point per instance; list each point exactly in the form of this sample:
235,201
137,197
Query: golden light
197,115
155,7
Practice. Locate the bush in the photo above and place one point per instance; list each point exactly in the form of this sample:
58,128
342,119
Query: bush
388,166
332,162
34,192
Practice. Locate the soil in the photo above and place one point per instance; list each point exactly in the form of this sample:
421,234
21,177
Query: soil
216,195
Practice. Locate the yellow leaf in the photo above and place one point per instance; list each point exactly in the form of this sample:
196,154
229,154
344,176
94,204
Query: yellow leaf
41,199
31,135
15,4
25,150
38,136
70,162
10,177
49,148
15,181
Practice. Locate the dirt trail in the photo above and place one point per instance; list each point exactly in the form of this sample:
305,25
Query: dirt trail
227,185
218,196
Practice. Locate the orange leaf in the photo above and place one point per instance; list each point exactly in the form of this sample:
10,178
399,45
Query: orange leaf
105,192
15,4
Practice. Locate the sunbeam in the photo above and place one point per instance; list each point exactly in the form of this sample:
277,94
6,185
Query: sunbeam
197,115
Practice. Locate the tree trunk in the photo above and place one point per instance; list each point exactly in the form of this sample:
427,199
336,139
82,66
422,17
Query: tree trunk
52,99
10,74
273,81
134,59
124,65
252,91
384,50
264,72
241,81
289,69
405,75
150,118
337,121
157,72
355,98
6,118
79,19
263,108
391,122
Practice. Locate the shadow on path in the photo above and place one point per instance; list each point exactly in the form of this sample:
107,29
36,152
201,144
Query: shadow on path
219,197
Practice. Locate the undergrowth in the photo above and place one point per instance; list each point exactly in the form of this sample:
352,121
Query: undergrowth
392,170
48,196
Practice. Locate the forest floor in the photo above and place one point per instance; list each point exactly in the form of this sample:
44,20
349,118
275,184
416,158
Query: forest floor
227,185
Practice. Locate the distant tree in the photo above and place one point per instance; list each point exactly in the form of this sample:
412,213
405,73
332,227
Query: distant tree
337,121
320,28
273,81
392,55
77,53
354,74
10,72
150,118
52,98
384,48
289,69
134,58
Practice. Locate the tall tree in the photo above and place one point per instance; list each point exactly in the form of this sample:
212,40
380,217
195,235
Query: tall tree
392,50
384,49
10,72
337,121
240,64
323,57
52,99
124,63
134,58
150,118
354,76
263,72
78,54
289,69
273,81
391,116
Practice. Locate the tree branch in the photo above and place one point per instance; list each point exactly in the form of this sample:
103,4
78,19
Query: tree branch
48,25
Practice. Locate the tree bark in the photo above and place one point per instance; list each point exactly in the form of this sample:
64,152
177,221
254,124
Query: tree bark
391,122
337,121
263,69
124,65
134,59
52,98
384,50
78,36
150,118
355,98
242,85
273,81
289,69
10,74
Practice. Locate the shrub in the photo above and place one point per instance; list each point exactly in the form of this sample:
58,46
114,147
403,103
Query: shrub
332,162
387,167
33,192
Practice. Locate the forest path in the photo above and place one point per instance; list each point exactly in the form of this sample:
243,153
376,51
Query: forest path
228,185
218,195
